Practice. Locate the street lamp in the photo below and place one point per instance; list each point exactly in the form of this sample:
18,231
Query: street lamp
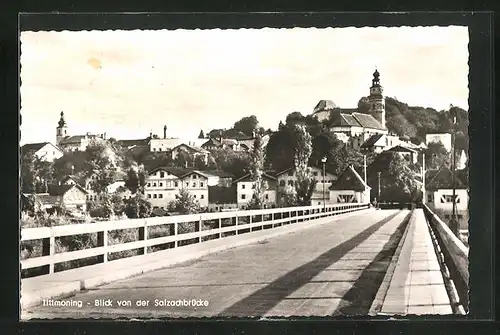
323,160
453,221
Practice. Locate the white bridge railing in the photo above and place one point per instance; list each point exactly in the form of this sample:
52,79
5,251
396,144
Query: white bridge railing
236,222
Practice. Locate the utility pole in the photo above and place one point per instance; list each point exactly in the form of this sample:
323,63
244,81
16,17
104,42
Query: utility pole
364,158
378,175
323,160
454,223
423,178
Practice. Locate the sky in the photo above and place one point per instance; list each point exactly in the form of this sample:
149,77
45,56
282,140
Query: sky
129,83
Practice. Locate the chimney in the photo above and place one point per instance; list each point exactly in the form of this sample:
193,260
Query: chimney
104,136
164,131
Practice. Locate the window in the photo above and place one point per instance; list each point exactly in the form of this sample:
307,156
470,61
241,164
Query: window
194,184
253,186
290,182
243,186
267,196
187,184
243,196
201,184
282,183
195,176
459,216
202,196
149,196
290,173
154,196
160,195
429,198
162,174
194,196
176,184
154,184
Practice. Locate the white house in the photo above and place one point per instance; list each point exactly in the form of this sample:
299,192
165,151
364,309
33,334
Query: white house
443,138
288,178
190,150
45,151
164,184
439,195
245,190
409,154
350,188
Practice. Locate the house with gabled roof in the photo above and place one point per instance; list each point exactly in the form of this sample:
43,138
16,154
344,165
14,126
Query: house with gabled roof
189,149
406,152
287,178
69,196
45,151
350,188
439,194
245,190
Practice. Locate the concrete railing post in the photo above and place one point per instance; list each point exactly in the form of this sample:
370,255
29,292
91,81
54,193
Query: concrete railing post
143,236
48,249
199,228
220,227
176,234
102,241
236,222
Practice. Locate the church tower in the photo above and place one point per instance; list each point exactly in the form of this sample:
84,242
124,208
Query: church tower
376,99
61,130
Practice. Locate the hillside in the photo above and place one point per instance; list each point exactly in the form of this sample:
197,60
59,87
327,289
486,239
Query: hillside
414,121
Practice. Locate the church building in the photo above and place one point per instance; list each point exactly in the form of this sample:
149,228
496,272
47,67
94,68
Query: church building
349,125
75,142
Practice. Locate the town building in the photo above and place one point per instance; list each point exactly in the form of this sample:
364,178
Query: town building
164,183
45,151
350,124
439,195
411,155
75,142
350,188
288,178
71,197
192,151
245,190
443,138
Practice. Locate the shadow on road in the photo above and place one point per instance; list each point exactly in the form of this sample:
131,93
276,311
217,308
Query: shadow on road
358,300
263,300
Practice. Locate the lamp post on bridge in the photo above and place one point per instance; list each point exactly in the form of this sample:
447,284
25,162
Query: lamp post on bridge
323,160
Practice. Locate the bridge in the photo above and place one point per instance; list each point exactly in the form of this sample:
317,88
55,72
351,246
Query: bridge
342,259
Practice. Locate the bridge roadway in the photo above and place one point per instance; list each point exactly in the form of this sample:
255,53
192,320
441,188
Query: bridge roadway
334,268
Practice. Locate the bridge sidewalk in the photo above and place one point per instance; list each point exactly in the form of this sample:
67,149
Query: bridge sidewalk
64,284
417,286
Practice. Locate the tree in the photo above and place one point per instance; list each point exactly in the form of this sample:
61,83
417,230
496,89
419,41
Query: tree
201,135
233,162
257,174
246,125
185,203
137,207
397,180
280,149
28,173
436,155
199,162
289,196
294,118
305,183
136,178
101,165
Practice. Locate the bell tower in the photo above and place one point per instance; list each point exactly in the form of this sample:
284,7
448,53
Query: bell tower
376,99
61,130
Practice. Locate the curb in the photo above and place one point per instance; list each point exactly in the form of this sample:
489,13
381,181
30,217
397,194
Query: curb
378,302
166,258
